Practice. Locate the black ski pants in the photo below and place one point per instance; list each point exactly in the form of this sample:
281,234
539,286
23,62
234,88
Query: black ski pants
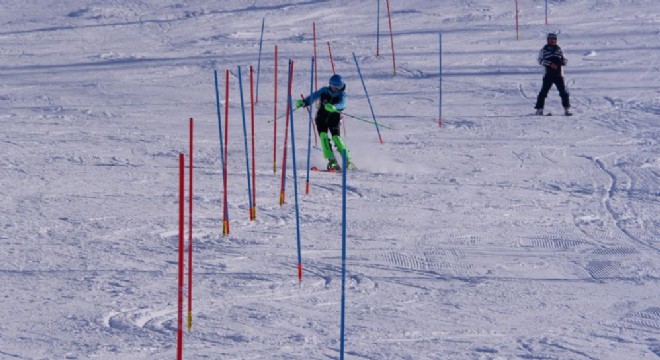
327,121
548,81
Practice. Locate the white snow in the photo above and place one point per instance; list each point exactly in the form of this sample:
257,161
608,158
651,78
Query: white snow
499,235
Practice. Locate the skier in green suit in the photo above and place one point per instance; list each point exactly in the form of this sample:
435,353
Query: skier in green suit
332,100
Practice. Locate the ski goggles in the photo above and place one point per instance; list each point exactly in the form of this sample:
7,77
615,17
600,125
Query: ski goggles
334,88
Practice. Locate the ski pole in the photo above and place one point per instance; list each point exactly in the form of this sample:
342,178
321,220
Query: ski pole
367,121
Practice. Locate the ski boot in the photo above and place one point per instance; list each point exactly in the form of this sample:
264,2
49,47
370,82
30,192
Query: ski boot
567,112
333,165
539,112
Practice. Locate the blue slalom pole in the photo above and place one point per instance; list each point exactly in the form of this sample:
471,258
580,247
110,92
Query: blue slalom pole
378,28
217,106
367,94
309,129
440,79
261,39
295,189
343,256
247,154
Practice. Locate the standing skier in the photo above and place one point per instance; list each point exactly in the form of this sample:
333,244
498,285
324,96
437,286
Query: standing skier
552,58
332,100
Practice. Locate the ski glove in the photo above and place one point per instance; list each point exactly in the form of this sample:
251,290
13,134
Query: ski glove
299,103
330,108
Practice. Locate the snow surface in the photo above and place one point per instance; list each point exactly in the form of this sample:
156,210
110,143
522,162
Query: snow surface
496,236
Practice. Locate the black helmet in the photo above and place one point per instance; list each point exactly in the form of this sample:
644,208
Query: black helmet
552,36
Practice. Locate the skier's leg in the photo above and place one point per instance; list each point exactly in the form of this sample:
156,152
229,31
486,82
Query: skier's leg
333,123
545,88
321,121
325,145
341,146
563,93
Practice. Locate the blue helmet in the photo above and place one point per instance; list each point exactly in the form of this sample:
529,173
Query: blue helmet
336,83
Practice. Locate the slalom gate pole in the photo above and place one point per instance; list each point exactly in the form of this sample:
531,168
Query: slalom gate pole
517,36
295,188
343,256
261,39
546,12
378,28
253,209
245,137
389,16
222,145
275,118
332,61
190,231
309,128
289,111
217,107
316,83
440,79
225,217
369,101
179,333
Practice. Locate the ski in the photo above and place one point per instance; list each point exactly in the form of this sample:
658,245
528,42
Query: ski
314,168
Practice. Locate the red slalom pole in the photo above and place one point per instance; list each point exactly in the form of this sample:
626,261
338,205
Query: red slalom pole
275,119
190,231
179,336
253,211
316,76
332,62
389,17
225,216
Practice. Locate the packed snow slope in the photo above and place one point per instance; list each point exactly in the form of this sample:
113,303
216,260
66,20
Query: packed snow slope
498,235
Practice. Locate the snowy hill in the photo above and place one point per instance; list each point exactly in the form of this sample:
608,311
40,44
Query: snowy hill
499,235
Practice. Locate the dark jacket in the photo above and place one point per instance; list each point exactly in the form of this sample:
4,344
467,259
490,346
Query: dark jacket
338,99
552,54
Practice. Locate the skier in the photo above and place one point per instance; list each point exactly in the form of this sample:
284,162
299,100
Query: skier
552,58
332,102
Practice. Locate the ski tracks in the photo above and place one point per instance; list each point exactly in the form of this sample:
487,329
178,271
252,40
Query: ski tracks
618,218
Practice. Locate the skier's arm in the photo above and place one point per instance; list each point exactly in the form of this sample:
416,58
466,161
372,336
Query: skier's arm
313,97
341,105
541,58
